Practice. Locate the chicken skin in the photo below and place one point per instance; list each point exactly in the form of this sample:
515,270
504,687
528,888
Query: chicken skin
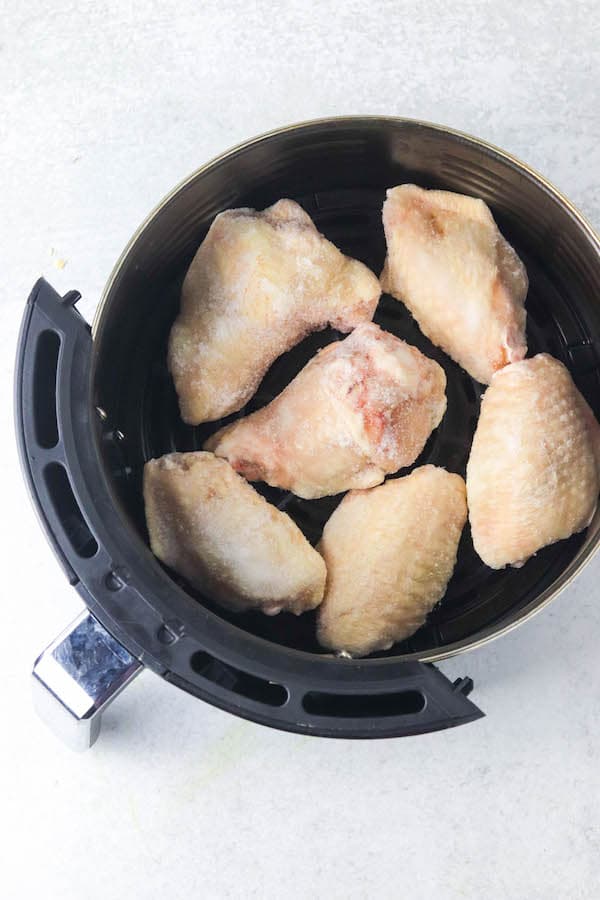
460,279
532,476
259,283
360,409
390,553
212,527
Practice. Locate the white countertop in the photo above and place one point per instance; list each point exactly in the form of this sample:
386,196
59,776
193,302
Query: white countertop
105,107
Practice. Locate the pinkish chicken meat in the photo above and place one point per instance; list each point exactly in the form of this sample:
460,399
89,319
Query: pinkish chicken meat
460,279
360,409
532,476
260,282
390,553
214,529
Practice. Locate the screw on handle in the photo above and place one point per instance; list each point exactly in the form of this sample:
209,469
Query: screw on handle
77,677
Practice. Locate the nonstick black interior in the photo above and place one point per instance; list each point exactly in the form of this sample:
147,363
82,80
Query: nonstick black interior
339,175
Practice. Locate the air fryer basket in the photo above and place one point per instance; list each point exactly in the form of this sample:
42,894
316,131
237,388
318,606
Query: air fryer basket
270,668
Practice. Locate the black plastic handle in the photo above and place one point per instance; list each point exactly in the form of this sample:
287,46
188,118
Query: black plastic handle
137,602
55,420
422,700
427,701
52,334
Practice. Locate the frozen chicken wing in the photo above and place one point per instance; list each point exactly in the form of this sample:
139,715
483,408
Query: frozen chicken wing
390,553
532,476
460,279
360,409
258,284
212,527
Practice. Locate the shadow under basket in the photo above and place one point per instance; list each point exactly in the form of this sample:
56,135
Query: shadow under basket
92,407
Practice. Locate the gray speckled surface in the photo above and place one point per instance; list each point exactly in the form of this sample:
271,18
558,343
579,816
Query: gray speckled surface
105,107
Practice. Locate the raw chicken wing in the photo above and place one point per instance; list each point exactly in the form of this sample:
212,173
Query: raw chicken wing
532,477
390,553
212,527
360,409
259,283
463,283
